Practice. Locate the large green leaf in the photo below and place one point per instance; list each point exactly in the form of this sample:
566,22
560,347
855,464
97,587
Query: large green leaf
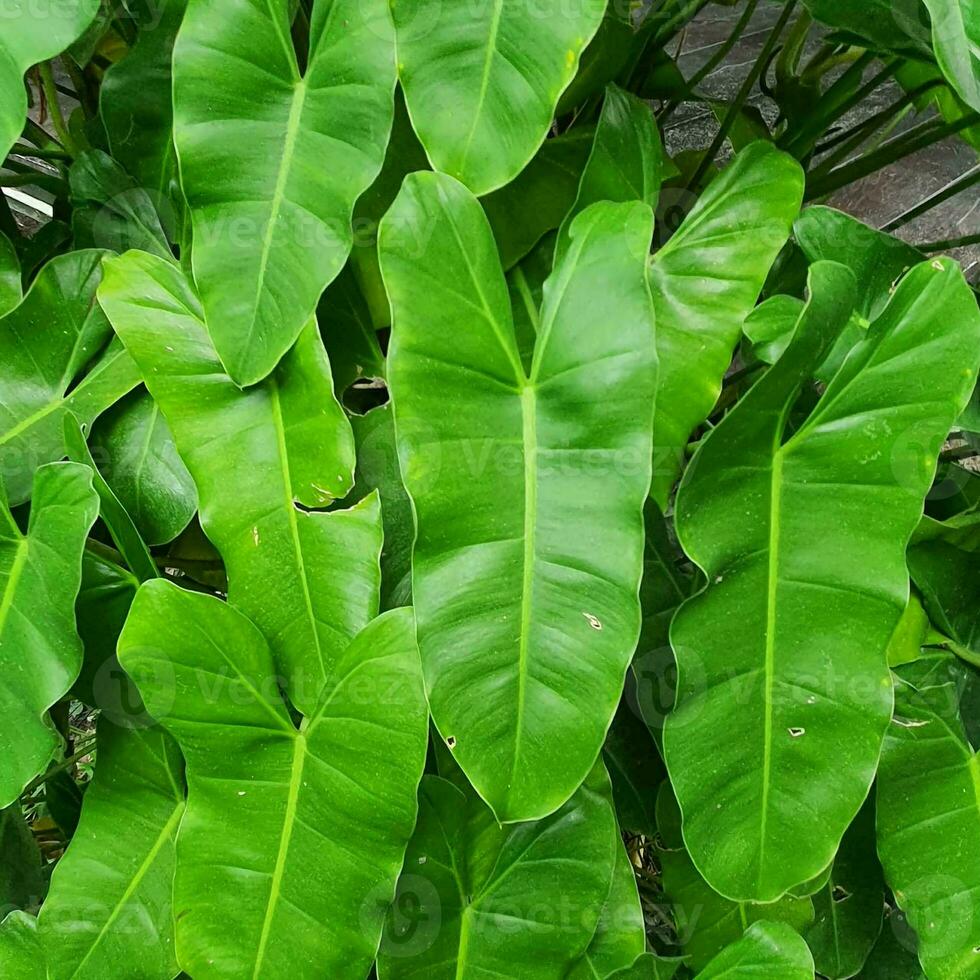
272,159
21,955
889,25
929,817
707,922
626,162
956,44
135,98
849,908
46,345
528,488
487,900
260,458
482,81
108,913
877,260
766,951
705,280
40,654
30,35
134,447
783,688
289,851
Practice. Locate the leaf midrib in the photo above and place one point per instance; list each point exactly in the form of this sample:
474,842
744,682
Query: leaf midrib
289,821
484,81
134,883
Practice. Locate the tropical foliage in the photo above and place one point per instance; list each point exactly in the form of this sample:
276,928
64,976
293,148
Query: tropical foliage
447,532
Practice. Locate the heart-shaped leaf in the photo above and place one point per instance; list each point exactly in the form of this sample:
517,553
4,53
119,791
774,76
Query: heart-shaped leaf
256,456
290,848
783,687
528,506
272,222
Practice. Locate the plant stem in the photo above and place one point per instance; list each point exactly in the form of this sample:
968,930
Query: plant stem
60,767
916,139
961,183
837,101
24,150
950,243
857,134
714,61
82,91
743,93
54,107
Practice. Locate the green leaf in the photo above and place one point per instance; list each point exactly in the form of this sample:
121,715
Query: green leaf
10,289
40,654
525,283
135,99
649,966
626,162
482,82
539,197
109,911
29,38
603,59
288,855
377,469
634,765
929,816
110,211
767,950
136,449
349,334
22,883
476,898
705,280
21,955
783,677
272,223
527,488
707,922
103,603
893,957
850,906
260,458
956,44
46,346
889,25
620,934
114,515
877,260
949,579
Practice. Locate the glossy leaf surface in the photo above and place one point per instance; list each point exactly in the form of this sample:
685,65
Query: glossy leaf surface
136,102
705,280
929,816
291,845
767,950
135,448
28,39
108,912
482,81
271,222
488,892
46,345
21,955
626,161
956,43
10,288
255,456
528,508
40,654
787,540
